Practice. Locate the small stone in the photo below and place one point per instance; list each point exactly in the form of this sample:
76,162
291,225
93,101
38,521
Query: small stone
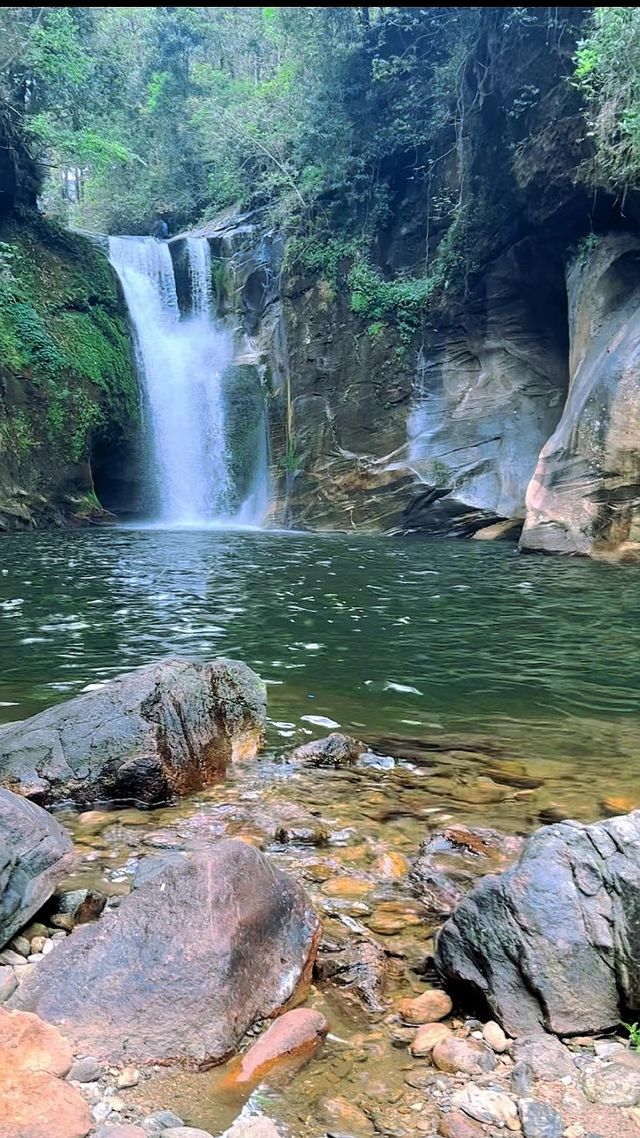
100,1112
8,956
59,934
126,1130
128,1077
453,1055
37,944
48,947
161,1120
612,1084
429,1007
36,928
346,887
85,1071
342,1116
64,921
539,1120
386,924
391,866
427,1037
493,1034
35,958
185,1132
253,1127
8,983
115,1102
459,1125
607,1048
487,1106
20,944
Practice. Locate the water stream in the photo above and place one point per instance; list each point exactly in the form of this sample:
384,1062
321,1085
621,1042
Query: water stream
505,686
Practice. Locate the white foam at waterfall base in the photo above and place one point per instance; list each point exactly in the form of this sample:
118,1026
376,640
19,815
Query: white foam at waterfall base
181,364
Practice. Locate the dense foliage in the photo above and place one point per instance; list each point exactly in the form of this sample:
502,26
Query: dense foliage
187,110
608,72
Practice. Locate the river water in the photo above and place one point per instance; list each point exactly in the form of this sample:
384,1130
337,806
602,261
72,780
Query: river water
505,688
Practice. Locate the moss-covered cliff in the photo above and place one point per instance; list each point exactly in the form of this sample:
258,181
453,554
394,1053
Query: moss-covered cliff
67,384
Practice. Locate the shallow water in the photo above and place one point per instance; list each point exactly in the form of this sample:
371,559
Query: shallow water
506,687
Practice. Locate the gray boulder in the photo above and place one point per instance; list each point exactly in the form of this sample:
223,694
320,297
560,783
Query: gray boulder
554,941
35,853
184,966
165,729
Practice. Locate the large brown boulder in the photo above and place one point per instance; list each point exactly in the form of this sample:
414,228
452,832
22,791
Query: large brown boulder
185,965
165,729
583,497
35,853
554,941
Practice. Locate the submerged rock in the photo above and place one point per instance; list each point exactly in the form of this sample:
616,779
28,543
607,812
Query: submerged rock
553,942
291,1041
335,750
451,860
165,729
35,853
361,967
185,965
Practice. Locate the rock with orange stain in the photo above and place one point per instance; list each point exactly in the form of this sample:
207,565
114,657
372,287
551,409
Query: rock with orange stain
347,887
34,1101
185,965
288,1043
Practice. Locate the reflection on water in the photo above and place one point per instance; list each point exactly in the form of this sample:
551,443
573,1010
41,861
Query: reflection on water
504,687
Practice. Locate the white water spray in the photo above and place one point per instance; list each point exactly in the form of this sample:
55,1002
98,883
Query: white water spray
181,364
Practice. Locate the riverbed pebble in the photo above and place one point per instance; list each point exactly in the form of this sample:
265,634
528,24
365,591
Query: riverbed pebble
539,1120
127,1077
488,1106
462,1056
493,1034
427,1037
456,1124
85,1070
429,1007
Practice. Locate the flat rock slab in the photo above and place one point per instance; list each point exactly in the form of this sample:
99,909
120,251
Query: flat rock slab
165,729
553,942
35,853
185,965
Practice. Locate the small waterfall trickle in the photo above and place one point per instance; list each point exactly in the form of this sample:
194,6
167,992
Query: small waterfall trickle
182,363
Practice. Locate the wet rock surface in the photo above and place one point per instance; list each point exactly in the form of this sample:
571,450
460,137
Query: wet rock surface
452,860
164,729
550,943
185,965
35,853
335,750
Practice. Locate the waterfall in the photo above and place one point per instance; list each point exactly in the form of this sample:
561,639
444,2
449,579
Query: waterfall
182,363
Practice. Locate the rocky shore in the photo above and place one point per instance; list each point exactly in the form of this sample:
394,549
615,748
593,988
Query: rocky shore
279,955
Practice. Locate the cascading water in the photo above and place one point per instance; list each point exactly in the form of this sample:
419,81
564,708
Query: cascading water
182,362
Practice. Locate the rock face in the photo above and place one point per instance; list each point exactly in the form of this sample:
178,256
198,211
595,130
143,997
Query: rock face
34,1102
585,494
35,853
164,729
185,965
553,942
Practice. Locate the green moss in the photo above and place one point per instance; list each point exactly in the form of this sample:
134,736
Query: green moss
64,342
